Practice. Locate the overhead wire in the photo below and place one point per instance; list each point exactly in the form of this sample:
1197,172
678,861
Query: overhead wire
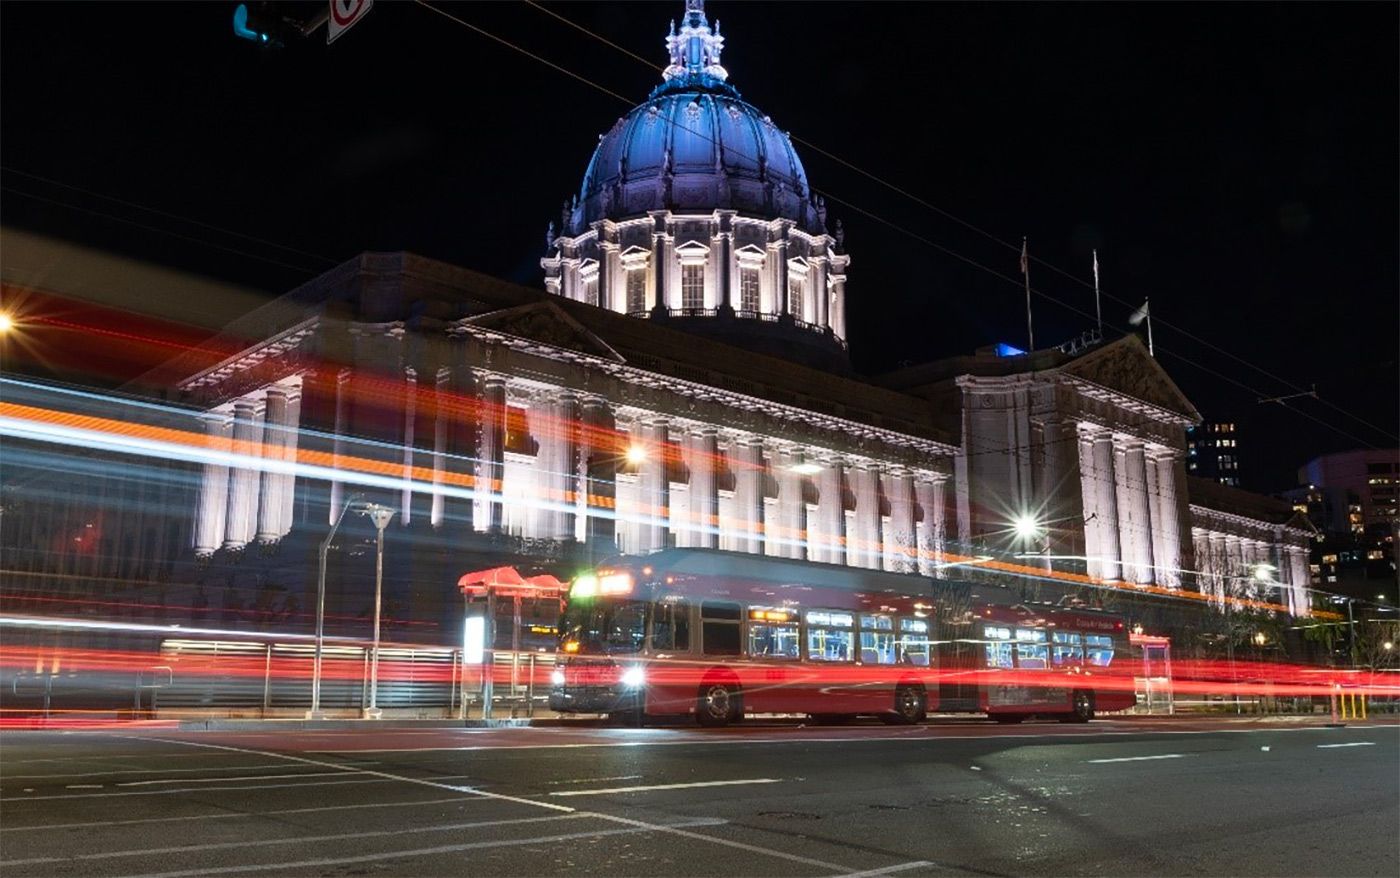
974,228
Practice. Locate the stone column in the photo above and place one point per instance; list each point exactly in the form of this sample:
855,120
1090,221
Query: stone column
566,461
749,471
213,489
243,481
838,305
704,488
1233,566
600,468
868,548
792,508
1106,507
653,486
1166,519
275,436
932,532
1301,578
1216,565
1135,521
490,467
829,544
902,542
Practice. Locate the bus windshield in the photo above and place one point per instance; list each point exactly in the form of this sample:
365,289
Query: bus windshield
605,626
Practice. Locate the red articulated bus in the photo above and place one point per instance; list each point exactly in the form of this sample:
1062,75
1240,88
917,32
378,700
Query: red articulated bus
718,635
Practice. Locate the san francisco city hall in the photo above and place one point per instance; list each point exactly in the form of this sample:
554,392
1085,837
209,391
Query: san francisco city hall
681,380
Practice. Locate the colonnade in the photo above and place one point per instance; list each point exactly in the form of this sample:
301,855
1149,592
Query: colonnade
1228,565
239,505
1131,500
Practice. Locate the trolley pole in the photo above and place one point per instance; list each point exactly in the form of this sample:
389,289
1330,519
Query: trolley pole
315,711
381,516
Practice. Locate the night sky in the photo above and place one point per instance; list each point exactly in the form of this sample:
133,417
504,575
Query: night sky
1236,163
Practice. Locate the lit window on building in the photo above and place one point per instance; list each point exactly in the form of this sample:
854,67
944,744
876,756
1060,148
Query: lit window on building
797,287
693,285
748,289
636,291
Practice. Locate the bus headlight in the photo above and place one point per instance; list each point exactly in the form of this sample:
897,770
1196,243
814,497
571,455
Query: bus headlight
557,676
634,677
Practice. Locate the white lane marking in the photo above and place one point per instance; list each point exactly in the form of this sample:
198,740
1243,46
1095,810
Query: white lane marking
231,815
83,786
1140,758
303,839
888,870
384,774
1352,744
283,866
649,827
668,786
95,774
15,800
555,783
233,779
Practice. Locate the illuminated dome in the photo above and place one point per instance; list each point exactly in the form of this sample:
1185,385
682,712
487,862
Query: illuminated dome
695,210
695,145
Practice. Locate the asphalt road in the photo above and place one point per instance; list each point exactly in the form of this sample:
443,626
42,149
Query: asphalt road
1155,797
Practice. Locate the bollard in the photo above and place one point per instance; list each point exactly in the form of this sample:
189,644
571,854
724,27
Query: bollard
1332,702
1362,696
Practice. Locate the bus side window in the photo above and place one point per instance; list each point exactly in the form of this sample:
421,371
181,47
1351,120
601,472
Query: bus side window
1099,648
670,626
1067,649
719,628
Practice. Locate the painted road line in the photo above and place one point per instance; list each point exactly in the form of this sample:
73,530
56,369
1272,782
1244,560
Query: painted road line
888,870
555,783
302,865
1352,744
11,801
230,815
301,839
234,779
668,786
1139,758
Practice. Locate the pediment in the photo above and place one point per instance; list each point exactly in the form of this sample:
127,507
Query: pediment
547,324
1125,367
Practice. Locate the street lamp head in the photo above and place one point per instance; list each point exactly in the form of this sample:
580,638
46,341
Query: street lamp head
1259,638
1026,526
1387,646
1264,572
380,515
6,322
636,454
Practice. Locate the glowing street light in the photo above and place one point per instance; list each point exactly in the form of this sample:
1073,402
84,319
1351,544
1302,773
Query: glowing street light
1026,526
1264,572
1259,638
636,454
6,322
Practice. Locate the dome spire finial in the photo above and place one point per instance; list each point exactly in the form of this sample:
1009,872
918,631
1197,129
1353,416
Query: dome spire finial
694,49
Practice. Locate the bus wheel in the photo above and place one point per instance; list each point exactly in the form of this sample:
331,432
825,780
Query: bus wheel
1082,707
1008,718
718,705
909,707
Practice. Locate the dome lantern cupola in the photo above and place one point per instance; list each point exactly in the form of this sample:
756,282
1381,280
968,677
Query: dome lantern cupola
695,209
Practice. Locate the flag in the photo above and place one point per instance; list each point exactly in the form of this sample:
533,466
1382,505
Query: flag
1096,269
1139,315
1025,258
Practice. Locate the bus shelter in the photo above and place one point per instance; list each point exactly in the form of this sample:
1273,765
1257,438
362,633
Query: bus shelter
1154,680
510,631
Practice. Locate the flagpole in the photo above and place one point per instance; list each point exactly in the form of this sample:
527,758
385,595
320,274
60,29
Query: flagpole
1098,311
1026,270
1147,303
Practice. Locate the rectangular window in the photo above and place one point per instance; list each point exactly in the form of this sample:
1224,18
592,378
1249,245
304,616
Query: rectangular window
693,285
774,640
748,289
1099,648
797,287
719,622
877,640
1067,649
670,626
829,636
636,291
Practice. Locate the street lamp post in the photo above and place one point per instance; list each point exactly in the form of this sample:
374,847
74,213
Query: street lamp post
381,516
315,711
